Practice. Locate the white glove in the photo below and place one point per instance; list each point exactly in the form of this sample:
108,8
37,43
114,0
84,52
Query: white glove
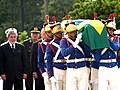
75,44
54,82
78,39
46,78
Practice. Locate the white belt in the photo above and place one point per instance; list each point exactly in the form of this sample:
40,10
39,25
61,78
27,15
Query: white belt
75,60
107,60
89,59
60,60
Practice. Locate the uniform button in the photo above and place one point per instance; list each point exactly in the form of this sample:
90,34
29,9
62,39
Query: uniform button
29,50
76,67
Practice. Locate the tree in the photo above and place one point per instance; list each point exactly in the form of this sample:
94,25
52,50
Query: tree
46,7
86,10
22,36
10,15
58,8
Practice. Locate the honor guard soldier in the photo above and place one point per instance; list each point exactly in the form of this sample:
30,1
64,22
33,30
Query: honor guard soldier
108,65
56,63
35,34
72,48
47,36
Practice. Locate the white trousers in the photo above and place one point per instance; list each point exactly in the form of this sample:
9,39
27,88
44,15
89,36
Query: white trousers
108,78
94,79
60,76
77,79
88,75
48,85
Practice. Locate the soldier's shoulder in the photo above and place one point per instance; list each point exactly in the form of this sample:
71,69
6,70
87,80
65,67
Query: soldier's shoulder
27,40
37,42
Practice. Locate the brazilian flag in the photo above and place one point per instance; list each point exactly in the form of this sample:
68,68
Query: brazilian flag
94,34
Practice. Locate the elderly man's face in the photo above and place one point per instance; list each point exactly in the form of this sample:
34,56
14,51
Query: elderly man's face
12,38
35,36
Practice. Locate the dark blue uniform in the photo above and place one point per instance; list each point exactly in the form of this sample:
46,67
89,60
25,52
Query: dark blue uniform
59,63
76,62
108,66
68,49
110,53
42,56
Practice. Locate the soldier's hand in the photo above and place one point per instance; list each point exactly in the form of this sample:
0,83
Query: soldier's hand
79,38
24,76
3,76
35,75
46,78
54,82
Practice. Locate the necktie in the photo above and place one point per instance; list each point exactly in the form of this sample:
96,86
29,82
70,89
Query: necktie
13,48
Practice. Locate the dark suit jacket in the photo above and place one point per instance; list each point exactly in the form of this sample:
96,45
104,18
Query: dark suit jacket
39,82
28,43
34,57
13,64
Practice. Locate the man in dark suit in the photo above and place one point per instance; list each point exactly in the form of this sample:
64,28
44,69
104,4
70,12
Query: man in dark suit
35,34
39,81
12,62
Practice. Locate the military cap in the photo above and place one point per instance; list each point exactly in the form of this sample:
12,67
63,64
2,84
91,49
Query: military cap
35,30
47,25
10,30
56,28
111,25
71,28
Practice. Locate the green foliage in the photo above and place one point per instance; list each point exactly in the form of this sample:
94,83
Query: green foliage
22,36
59,8
3,27
10,15
86,10
10,12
